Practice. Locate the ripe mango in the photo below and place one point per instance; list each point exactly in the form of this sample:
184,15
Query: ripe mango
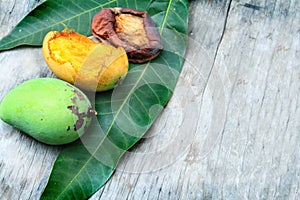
50,110
83,62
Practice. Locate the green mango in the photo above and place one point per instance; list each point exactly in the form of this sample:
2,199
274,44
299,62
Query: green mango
50,110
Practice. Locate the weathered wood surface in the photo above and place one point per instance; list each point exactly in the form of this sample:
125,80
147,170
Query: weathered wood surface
231,130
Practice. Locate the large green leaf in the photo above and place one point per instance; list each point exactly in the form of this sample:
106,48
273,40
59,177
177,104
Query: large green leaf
124,114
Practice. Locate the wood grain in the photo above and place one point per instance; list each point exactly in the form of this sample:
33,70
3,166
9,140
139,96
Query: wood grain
231,130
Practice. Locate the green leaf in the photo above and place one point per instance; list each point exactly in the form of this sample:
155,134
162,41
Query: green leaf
127,112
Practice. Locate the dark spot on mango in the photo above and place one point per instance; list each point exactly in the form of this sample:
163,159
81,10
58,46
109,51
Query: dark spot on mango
75,129
79,122
81,97
73,99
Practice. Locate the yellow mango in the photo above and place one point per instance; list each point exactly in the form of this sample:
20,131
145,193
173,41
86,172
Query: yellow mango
83,62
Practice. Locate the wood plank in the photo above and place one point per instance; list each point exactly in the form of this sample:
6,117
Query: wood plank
25,164
231,130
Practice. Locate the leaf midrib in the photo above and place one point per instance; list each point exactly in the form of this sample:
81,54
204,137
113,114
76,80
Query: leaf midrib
41,30
165,17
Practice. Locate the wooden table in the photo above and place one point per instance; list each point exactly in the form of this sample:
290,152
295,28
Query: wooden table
231,130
